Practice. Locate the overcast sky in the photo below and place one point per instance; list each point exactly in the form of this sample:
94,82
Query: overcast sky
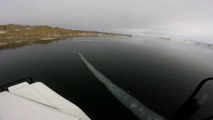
186,17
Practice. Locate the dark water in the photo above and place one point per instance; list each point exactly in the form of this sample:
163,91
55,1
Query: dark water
160,74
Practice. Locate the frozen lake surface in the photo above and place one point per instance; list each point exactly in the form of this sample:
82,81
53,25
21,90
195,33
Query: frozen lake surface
158,74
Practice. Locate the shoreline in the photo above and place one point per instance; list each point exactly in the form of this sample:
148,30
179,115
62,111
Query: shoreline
14,36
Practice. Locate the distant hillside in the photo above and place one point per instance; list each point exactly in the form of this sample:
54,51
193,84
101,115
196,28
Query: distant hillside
12,35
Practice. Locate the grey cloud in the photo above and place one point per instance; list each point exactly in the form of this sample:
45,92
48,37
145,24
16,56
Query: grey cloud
112,15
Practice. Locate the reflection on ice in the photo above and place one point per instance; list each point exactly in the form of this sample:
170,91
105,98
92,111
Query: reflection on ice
84,40
137,108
